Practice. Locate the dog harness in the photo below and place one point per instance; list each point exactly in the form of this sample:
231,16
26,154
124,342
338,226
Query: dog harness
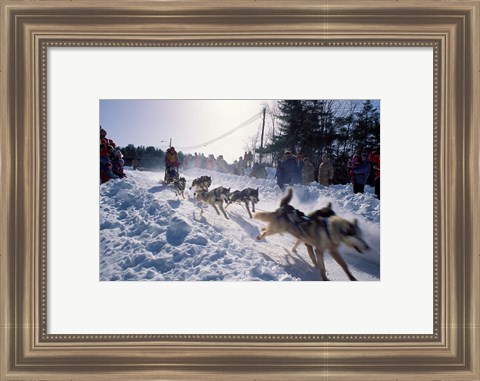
327,230
297,217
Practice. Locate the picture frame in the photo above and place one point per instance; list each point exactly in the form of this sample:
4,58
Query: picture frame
29,28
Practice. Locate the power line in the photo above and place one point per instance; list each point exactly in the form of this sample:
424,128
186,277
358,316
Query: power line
244,124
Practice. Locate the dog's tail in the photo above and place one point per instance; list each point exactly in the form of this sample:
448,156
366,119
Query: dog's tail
286,200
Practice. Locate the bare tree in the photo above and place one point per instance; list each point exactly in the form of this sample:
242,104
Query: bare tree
252,143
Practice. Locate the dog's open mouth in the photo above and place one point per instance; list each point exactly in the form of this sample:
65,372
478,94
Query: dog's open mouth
365,248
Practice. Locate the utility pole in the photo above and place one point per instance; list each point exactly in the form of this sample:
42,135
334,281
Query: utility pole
261,139
170,142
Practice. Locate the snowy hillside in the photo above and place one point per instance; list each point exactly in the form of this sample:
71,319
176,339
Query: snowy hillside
147,233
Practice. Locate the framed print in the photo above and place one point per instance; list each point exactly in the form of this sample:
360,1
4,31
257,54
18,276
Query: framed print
141,277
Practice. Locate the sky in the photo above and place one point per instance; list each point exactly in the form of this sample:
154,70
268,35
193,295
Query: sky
188,123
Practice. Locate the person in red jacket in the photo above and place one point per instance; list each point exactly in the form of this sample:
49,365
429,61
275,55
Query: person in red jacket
171,165
171,158
107,173
103,148
374,158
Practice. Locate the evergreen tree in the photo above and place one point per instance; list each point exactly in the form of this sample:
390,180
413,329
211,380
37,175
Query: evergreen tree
366,130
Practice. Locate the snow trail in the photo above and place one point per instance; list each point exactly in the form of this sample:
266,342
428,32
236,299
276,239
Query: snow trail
148,233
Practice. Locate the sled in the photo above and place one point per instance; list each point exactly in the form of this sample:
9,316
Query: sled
171,174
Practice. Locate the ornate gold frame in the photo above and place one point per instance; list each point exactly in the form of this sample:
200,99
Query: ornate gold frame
30,27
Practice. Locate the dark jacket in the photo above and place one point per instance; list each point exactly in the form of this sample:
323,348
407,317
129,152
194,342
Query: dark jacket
288,171
362,172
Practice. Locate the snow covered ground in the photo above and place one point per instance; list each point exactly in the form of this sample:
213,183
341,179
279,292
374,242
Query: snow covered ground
148,233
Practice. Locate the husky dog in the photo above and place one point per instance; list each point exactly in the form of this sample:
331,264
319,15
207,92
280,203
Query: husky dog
180,186
215,197
318,235
319,214
201,183
245,196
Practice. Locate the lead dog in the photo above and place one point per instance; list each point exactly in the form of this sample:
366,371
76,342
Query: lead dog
201,183
246,196
318,236
319,215
215,197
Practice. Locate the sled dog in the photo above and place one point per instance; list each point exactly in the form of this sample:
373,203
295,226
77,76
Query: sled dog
201,183
245,196
317,234
180,186
319,215
215,197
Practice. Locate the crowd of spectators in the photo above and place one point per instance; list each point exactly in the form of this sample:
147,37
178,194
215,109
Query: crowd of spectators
291,169
111,159
295,169
238,167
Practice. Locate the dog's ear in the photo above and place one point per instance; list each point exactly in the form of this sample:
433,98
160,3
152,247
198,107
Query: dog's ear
329,206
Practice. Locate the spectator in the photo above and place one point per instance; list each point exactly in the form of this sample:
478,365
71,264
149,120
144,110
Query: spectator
197,161
248,157
107,173
307,171
103,155
187,161
361,174
241,165
210,162
117,168
325,171
103,148
300,161
354,164
258,171
118,154
111,153
221,164
374,158
135,164
287,170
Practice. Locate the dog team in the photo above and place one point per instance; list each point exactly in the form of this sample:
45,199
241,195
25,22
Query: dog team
319,231
219,196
